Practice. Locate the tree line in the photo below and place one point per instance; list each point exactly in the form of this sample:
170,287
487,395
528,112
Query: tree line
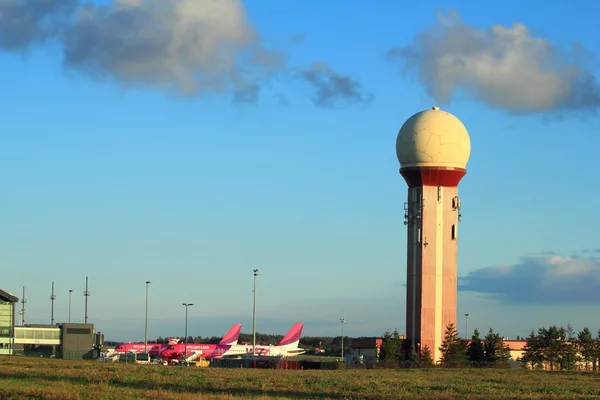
560,348
553,348
455,352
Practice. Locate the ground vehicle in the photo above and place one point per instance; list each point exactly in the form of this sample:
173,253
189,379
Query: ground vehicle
135,358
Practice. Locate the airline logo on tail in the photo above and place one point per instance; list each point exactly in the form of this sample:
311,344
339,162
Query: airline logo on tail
232,336
292,339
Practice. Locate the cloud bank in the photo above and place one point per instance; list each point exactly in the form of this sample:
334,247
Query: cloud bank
539,280
182,47
506,67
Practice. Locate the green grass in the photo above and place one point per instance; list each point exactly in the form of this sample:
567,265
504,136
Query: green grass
32,378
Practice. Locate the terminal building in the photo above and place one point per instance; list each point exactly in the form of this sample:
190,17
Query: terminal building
64,340
7,322
71,341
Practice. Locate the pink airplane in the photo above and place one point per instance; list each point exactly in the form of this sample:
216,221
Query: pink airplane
154,349
287,347
176,350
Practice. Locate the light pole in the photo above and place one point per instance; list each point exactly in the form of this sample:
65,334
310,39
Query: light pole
146,331
467,325
52,298
186,315
342,320
70,291
86,294
254,314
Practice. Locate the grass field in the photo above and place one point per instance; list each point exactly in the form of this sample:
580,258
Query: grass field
30,378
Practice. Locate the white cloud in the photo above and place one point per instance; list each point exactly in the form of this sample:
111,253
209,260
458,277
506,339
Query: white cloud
188,46
505,67
183,47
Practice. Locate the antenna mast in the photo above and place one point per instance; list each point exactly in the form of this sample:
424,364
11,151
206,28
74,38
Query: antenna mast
52,297
22,312
86,294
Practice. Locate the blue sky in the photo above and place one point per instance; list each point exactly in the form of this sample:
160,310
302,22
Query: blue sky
139,143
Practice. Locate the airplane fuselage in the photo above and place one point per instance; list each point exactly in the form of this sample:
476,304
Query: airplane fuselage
228,351
154,349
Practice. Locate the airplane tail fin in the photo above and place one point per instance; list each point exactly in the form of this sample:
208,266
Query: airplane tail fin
292,338
232,336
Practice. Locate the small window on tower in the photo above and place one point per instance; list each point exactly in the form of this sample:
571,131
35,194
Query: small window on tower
453,232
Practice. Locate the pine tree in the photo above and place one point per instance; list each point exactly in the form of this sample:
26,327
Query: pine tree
552,345
414,358
453,350
587,346
570,352
596,352
391,348
475,350
531,352
496,352
426,357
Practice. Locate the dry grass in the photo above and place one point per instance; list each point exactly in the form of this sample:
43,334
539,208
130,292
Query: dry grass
28,378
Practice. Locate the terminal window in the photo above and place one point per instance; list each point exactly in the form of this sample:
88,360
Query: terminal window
78,331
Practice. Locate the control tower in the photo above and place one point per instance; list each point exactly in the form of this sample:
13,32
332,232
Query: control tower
433,148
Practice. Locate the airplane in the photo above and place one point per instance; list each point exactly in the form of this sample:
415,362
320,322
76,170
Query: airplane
154,349
288,346
176,350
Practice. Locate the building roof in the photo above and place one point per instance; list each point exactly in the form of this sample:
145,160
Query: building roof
8,297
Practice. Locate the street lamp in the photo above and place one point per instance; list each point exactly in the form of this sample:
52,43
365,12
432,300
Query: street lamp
342,320
186,317
254,314
70,291
146,331
467,325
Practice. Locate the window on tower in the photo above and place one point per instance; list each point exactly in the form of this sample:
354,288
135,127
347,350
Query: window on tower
453,232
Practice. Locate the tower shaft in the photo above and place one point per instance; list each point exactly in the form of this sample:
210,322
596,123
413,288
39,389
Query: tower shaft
432,216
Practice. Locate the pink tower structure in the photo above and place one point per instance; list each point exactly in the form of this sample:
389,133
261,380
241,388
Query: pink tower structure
433,148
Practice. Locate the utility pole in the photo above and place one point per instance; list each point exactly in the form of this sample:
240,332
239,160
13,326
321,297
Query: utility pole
23,301
146,334
86,294
70,292
342,320
467,325
52,298
254,315
12,330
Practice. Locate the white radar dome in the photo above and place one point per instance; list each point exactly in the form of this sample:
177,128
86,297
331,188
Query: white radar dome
433,138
